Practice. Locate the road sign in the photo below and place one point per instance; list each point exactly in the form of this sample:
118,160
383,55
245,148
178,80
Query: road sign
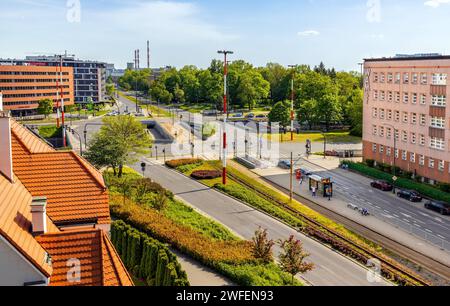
395,178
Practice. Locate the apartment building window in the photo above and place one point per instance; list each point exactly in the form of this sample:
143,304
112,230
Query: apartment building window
397,134
405,117
423,119
382,113
414,98
375,112
397,116
422,160
381,149
441,165
388,133
438,122
390,96
405,97
396,153
382,77
437,143
439,101
405,155
375,94
413,138
424,78
388,151
415,78
381,131
439,79
398,77
422,140
375,77
382,95
374,130
413,118
374,148
390,77
389,114
412,158
431,163
406,78
405,136
397,97
423,99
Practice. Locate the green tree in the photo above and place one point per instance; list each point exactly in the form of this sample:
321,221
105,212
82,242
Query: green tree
126,140
262,246
292,258
307,113
179,94
45,107
252,88
281,113
355,111
211,88
159,92
279,79
190,84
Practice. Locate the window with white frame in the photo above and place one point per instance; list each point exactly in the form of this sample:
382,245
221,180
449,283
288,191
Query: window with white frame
405,155
389,114
423,99
374,130
375,94
390,77
388,132
422,140
415,78
381,149
437,143
405,117
397,96
406,78
423,119
438,122
390,96
375,77
398,77
375,112
439,101
382,77
397,134
414,98
405,97
388,151
382,113
424,78
422,160
431,163
397,116
382,95
439,79
413,138
374,148
412,157
404,136
441,165
381,131
396,153
414,118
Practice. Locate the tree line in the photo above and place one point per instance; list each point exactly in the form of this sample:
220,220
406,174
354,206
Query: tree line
322,95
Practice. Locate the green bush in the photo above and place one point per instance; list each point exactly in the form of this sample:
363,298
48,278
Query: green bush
370,162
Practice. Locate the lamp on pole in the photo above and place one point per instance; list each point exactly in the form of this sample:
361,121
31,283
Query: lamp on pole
224,160
394,178
292,101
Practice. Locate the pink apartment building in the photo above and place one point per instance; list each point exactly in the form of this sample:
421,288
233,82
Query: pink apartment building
406,98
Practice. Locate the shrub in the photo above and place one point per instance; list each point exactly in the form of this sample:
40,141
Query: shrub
370,162
182,162
444,187
206,174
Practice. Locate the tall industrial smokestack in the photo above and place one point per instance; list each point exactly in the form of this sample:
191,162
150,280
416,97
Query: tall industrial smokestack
138,59
148,54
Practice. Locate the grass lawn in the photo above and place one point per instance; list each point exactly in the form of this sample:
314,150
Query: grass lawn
48,131
152,108
332,137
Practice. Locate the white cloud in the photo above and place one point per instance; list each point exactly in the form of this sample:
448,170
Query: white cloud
435,3
308,33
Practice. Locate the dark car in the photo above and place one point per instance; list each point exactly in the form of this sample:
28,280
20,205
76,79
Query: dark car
382,185
305,171
440,207
411,196
284,164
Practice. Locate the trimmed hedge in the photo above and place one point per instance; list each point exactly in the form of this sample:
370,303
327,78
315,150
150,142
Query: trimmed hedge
146,257
425,190
206,174
182,162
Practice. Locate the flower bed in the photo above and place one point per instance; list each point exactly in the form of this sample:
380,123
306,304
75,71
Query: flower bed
182,162
206,174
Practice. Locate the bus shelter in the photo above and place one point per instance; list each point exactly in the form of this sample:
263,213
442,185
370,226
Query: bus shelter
323,186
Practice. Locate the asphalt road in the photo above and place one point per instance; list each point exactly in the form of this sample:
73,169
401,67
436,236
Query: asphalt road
332,269
355,189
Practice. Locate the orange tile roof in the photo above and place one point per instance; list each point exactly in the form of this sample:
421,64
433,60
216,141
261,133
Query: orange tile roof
99,262
15,223
75,190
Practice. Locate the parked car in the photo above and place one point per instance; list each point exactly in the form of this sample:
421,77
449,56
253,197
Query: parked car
305,171
382,185
139,115
284,164
238,115
440,207
409,195
261,116
250,116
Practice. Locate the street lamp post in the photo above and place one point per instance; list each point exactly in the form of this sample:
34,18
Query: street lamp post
225,111
324,145
292,101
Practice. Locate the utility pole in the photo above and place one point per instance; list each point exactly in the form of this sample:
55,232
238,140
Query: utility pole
136,66
292,101
225,111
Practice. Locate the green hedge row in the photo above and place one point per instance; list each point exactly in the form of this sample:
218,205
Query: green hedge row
146,257
425,190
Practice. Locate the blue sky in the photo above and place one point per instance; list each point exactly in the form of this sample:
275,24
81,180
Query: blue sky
338,32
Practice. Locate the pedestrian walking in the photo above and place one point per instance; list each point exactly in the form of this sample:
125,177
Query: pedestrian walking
313,189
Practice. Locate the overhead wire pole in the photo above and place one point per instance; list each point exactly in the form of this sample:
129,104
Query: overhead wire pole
62,101
224,156
292,102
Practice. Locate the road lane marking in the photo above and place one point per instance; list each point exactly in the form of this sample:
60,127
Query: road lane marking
431,232
441,237
407,216
424,214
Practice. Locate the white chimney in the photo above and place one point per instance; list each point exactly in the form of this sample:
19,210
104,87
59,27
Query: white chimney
6,164
39,215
